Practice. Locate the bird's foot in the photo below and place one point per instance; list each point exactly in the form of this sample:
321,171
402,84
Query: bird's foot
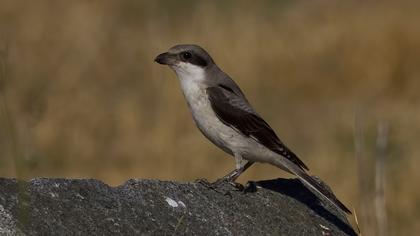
221,185
250,187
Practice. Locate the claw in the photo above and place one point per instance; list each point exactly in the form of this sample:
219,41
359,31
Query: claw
218,185
202,181
238,186
250,187
228,181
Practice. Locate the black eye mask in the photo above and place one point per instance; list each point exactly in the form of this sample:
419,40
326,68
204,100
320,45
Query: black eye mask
193,59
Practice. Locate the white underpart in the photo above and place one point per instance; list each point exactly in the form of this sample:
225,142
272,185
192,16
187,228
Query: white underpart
230,140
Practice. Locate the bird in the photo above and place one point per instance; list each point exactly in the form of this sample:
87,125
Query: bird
224,115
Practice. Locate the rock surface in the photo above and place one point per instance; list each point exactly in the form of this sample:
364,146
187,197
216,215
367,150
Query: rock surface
152,207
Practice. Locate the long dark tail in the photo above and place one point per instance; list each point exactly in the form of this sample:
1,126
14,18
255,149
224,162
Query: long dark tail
318,187
321,189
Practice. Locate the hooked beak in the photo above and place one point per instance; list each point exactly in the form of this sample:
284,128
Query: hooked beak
166,59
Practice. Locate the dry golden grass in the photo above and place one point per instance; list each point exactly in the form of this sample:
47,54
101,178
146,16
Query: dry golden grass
86,99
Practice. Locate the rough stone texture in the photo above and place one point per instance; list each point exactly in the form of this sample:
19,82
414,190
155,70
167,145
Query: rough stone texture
152,207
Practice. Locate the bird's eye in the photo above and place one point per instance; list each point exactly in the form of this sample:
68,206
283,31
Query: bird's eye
186,55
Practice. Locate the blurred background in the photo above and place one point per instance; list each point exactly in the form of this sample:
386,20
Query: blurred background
80,95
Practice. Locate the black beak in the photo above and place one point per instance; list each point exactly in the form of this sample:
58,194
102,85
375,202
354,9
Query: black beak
165,59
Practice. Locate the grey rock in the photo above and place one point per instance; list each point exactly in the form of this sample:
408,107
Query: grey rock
152,207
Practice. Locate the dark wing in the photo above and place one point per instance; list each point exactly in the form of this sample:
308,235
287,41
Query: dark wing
235,112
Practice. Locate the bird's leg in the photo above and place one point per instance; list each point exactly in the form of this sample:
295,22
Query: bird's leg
231,176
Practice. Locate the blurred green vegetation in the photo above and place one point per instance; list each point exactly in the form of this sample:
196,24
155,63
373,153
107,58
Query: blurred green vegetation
87,101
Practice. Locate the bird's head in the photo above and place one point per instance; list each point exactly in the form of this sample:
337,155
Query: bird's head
186,60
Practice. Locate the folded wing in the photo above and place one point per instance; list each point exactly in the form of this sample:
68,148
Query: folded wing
234,111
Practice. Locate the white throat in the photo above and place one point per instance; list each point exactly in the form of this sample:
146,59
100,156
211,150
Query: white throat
188,72
191,78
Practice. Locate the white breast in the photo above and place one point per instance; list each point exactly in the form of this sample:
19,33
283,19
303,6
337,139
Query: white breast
204,116
193,87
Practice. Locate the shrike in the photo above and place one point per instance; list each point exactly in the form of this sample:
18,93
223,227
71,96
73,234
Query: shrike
224,115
